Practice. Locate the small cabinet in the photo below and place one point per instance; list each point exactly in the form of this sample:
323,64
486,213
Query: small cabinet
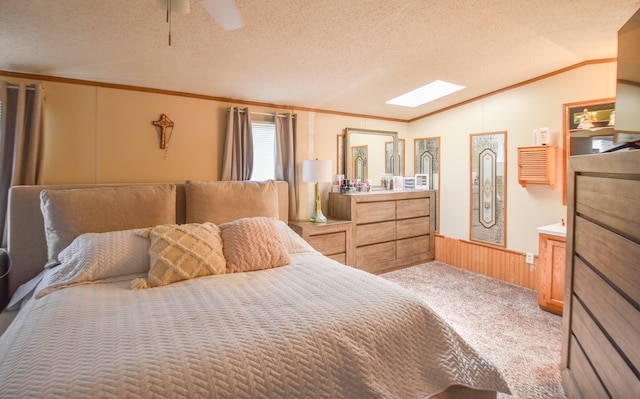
331,239
551,269
537,165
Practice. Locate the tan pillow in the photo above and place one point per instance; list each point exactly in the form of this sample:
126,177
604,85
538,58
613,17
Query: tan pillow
253,244
224,201
70,212
182,252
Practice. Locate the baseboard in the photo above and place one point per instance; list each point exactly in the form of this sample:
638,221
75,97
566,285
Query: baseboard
499,263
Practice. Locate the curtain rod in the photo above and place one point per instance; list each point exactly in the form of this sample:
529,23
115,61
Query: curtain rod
14,86
268,114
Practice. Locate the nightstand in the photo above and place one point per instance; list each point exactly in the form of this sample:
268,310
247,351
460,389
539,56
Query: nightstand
332,239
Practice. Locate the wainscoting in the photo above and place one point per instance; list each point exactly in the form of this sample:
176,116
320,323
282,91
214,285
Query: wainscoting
499,263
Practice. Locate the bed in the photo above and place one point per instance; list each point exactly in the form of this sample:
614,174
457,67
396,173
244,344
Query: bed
201,289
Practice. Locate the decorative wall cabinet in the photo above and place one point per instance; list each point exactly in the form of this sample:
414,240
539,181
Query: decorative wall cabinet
391,229
537,165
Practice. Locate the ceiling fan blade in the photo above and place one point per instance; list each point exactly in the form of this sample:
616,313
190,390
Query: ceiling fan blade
225,13
181,6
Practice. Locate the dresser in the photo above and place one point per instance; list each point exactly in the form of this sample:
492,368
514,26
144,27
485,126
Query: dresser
601,319
391,229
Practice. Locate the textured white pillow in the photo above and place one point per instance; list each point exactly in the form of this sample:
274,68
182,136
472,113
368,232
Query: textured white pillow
98,256
182,252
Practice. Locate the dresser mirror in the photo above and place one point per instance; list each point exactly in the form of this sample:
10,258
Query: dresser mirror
369,154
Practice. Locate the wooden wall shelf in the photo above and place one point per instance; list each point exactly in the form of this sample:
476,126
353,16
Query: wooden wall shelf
537,165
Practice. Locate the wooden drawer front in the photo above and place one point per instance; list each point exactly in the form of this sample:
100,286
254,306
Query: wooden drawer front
412,227
621,318
412,208
583,374
611,202
611,254
342,258
374,254
613,371
375,233
371,212
412,246
329,244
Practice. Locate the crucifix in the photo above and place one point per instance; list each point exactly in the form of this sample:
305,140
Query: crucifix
164,123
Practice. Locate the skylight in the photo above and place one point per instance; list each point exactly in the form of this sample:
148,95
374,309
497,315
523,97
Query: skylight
426,93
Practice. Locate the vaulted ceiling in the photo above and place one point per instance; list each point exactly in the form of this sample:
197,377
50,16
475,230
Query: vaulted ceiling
339,55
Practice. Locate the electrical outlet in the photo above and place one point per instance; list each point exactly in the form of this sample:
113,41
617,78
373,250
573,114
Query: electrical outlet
530,258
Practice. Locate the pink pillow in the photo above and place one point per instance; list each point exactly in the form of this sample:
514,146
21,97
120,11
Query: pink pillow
253,244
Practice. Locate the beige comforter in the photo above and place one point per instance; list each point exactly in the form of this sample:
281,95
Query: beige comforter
313,329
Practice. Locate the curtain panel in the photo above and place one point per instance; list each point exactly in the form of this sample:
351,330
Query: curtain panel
285,162
21,138
237,158
21,153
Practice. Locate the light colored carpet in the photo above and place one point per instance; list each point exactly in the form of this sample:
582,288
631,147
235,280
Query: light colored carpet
501,320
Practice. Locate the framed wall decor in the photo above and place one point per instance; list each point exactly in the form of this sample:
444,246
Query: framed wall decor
579,139
488,188
426,161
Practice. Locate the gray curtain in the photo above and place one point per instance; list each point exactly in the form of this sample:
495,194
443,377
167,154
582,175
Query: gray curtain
21,139
21,148
237,158
286,132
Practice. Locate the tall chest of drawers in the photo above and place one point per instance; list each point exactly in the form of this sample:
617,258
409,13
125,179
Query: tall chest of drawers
391,229
601,317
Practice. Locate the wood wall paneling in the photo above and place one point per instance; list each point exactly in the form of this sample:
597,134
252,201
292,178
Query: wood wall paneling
499,263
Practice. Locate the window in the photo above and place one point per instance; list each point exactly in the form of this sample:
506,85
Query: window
264,151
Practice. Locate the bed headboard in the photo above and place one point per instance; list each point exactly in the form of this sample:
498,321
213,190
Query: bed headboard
26,242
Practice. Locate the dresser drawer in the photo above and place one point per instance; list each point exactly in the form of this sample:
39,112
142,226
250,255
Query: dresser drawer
412,227
330,244
374,233
370,255
412,208
371,212
412,246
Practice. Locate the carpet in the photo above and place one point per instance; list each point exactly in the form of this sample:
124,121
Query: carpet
501,320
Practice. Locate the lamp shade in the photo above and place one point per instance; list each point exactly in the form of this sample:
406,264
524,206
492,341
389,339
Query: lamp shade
316,171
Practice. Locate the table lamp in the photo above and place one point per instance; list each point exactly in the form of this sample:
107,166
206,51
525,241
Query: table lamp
317,171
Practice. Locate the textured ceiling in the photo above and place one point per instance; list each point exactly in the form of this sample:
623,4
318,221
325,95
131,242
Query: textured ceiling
339,55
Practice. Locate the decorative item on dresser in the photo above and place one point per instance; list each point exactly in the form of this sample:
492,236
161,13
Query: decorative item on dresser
391,229
332,239
601,321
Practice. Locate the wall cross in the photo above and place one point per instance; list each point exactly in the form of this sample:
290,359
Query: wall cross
163,124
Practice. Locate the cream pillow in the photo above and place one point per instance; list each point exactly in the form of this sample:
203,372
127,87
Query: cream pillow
182,252
70,212
224,201
253,244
